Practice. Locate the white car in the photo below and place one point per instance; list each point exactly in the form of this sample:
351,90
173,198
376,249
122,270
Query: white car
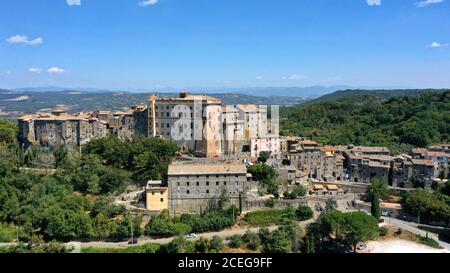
191,236
362,246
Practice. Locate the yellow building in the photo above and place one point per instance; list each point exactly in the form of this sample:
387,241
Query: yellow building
157,197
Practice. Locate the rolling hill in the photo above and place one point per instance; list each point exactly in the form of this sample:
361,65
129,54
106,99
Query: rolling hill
398,122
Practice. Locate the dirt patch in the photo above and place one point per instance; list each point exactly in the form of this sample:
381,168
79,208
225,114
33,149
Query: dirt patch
400,246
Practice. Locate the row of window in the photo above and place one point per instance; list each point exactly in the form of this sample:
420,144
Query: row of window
204,176
188,192
217,183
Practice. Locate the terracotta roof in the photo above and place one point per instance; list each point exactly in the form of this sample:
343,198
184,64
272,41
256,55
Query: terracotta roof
309,142
193,169
422,162
436,154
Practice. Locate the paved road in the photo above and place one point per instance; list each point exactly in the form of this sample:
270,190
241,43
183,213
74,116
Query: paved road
413,227
223,234
142,241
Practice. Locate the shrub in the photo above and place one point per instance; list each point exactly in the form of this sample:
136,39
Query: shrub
304,213
269,217
235,241
383,231
428,241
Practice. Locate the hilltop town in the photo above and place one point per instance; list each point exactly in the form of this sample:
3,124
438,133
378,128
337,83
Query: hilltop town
231,139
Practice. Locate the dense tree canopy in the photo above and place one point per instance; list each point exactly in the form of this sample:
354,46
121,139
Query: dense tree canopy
8,132
432,206
398,122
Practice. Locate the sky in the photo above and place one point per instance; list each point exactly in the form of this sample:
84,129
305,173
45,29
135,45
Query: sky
151,44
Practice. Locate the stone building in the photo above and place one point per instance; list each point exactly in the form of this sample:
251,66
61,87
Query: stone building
314,160
60,129
191,121
233,131
194,187
363,167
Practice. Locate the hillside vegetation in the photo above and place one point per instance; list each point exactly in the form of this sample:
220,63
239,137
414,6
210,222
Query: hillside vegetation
381,93
397,122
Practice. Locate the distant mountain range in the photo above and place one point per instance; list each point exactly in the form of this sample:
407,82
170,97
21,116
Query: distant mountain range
305,92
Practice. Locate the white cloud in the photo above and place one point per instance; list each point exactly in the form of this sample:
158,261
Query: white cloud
437,45
56,70
294,77
22,39
259,77
74,2
35,70
374,2
425,3
147,3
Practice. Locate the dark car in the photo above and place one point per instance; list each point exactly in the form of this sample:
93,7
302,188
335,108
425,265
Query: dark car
133,242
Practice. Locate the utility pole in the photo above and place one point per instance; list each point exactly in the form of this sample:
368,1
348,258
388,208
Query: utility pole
418,215
131,225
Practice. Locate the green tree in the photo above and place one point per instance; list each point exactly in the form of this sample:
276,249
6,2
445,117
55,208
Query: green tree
263,156
375,208
304,213
278,242
309,246
102,226
216,244
179,245
379,188
8,132
201,245
359,227
330,205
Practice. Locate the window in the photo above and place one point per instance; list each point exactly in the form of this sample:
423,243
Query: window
187,183
198,183
162,192
207,191
178,184
207,183
217,183
162,200
224,183
153,193
187,191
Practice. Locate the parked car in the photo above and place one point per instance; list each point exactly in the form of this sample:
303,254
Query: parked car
133,242
349,250
191,236
362,246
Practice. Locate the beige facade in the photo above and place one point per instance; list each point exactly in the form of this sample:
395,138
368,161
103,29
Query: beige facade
157,196
191,121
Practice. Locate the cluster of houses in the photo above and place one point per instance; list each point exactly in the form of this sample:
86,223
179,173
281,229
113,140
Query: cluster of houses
360,164
199,124
225,136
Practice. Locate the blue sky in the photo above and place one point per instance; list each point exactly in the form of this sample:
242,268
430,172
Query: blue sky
121,44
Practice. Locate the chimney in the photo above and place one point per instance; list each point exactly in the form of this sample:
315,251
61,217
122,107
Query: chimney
183,95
